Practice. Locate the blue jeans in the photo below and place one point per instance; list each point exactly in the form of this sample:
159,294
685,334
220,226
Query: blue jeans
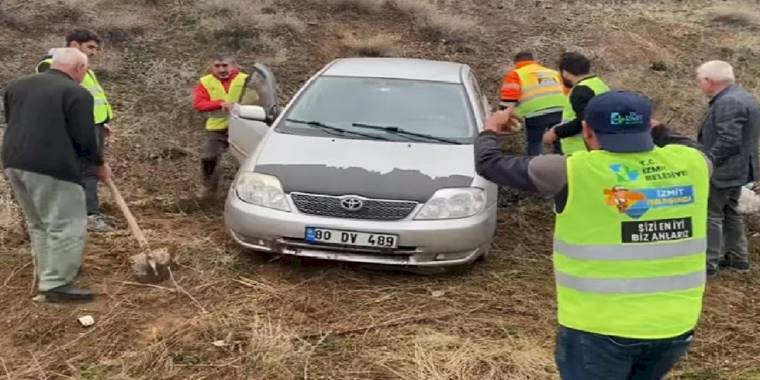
587,356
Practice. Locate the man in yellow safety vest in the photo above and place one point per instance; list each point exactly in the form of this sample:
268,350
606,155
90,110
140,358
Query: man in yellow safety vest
629,239
538,96
88,43
214,97
576,72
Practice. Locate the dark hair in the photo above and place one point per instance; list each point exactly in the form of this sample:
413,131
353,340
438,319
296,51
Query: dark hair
81,36
575,63
524,56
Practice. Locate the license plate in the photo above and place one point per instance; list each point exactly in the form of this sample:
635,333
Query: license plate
353,238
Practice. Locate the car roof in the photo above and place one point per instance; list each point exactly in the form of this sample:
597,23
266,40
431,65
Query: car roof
397,68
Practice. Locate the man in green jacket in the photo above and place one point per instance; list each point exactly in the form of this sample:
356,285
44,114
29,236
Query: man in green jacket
88,43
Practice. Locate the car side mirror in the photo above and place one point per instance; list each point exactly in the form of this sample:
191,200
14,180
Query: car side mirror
250,112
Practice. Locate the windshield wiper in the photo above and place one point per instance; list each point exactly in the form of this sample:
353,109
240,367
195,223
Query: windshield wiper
340,131
401,132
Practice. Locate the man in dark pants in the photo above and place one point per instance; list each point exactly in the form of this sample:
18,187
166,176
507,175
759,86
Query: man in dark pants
88,43
538,96
214,97
50,132
730,135
629,237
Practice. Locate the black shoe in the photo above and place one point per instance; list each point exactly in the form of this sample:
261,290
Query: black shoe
712,271
68,293
739,266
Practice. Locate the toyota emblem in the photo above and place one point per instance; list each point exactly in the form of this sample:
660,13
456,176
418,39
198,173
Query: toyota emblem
351,203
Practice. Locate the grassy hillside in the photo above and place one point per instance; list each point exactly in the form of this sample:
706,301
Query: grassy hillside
237,316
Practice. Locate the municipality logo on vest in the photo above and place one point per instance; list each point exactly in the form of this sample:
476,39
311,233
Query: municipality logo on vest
629,119
624,173
637,202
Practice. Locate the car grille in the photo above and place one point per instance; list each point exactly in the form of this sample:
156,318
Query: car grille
373,209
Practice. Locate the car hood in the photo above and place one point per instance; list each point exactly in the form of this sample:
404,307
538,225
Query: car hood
368,168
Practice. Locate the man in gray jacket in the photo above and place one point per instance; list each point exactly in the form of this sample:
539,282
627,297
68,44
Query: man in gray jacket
729,134
50,134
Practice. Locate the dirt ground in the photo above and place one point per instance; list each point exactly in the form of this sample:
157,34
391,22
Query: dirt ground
235,315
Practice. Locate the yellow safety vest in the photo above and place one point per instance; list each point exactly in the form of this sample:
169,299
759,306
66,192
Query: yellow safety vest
629,247
575,143
220,120
102,110
541,91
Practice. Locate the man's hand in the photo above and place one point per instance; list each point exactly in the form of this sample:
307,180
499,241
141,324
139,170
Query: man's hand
104,173
550,137
227,106
503,121
107,130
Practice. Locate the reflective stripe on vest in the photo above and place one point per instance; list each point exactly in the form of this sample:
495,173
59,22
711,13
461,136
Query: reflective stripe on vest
541,91
101,109
632,285
575,143
220,120
629,251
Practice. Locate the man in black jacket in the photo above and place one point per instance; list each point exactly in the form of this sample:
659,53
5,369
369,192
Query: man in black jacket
50,134
576,73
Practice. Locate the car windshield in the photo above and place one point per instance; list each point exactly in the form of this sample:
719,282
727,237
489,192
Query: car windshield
436,109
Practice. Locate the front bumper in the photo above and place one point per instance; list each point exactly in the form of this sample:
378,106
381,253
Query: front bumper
422,243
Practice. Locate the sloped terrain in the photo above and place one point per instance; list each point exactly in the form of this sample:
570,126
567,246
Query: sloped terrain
229,314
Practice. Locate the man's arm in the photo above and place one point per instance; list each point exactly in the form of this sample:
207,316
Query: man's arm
202,100
501,169
510,90
544,174
729,119
80,124
579,99
662,135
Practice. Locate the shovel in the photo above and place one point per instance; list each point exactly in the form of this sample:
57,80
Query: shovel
148,266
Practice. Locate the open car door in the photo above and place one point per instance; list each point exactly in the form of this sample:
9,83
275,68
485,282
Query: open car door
251,117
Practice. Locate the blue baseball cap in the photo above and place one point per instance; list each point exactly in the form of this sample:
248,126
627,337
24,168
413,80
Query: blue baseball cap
621,121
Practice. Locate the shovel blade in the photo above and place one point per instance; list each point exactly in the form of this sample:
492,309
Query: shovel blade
151,267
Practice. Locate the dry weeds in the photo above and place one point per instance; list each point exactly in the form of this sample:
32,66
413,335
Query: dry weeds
427,17
380,45
237,316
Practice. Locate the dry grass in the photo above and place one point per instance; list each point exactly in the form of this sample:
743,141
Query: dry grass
381,45
254,15
428,18
359,6
233,316
436,24
737,17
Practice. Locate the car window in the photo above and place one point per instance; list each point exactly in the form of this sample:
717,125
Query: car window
432,108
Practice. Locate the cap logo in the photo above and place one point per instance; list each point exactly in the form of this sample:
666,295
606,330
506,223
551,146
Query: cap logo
629,119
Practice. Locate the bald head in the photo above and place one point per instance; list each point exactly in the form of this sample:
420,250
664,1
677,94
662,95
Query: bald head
71,61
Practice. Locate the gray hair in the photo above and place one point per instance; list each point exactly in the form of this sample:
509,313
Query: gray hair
720,71
68,57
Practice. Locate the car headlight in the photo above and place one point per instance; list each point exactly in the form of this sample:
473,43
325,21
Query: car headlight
261,190
453,204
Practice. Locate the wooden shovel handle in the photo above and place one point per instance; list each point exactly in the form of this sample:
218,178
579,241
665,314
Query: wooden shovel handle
133,226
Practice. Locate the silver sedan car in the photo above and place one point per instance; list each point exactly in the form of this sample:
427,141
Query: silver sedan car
371,162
